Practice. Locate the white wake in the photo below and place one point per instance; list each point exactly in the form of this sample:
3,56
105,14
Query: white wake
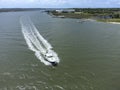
35,41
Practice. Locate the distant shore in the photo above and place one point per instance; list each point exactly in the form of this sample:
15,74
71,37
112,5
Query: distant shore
18,9
114,22
87,14
102,15
111,21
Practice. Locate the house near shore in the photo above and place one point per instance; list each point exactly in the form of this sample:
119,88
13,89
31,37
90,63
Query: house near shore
65,10
59,11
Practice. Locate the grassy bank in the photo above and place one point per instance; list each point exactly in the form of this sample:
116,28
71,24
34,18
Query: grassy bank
99,14
109,20
73,15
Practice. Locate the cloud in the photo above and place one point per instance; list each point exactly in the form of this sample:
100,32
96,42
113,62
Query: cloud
116,2
95,3
51,2
34,3
59,3
16,1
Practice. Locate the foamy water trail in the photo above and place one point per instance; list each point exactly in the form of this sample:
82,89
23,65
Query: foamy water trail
35,41
32,47
44,41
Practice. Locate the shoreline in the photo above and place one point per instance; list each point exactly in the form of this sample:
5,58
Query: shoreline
111,16
88,19
113,22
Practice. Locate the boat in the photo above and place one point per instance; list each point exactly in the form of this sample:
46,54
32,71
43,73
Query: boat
49,56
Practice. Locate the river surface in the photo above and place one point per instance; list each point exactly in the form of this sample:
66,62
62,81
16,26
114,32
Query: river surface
89,54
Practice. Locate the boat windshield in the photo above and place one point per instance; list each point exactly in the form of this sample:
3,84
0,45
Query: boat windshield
49,56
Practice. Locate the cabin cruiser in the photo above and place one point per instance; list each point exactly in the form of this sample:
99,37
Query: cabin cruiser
50,57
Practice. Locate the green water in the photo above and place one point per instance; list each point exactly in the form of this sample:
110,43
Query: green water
89,54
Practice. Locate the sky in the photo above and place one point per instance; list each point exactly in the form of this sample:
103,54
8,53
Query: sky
59,3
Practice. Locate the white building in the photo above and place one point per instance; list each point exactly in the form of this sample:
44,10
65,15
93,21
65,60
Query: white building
65,10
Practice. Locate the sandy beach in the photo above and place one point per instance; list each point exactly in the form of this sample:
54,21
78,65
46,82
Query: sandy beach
114,22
